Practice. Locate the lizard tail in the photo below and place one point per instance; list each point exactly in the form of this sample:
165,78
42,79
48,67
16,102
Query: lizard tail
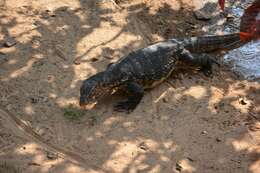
212,42
250,23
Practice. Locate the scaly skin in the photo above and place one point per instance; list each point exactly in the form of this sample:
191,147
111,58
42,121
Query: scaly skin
211,43
147,67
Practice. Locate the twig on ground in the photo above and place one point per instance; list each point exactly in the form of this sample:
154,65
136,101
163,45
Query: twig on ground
115,4
170,84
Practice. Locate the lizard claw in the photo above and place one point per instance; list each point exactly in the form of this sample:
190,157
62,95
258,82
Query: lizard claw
214,61
124,106
207,72
207,67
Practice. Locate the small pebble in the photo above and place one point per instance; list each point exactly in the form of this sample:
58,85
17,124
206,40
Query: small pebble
218,139
204,132
242,101
10,42
178,167
221,105
35,44
230,17
108,51
94,59
143,146
41,131
34,100
45,15
165,100
76,62
52,156
202,15
53,15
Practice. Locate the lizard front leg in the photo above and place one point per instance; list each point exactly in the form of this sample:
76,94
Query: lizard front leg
204,61
136,92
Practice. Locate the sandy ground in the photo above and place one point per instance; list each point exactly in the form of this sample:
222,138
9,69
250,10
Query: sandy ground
188,124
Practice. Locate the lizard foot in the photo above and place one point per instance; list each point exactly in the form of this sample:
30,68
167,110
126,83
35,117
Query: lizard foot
125,106
206,68
207,72
133,100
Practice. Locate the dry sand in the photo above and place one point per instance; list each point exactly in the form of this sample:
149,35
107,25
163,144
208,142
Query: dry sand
188,124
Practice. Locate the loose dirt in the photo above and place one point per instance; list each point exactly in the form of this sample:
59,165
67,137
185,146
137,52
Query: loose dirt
189,123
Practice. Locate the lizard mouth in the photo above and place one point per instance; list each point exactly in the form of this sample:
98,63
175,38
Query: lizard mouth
87,106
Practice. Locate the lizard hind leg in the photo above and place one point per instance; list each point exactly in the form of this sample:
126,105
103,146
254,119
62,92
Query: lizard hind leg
206,62
136,93
203,61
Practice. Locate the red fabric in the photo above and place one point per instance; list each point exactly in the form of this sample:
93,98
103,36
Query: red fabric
221,4
250,22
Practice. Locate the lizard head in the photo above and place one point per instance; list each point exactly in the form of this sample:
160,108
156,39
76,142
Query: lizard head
92,90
